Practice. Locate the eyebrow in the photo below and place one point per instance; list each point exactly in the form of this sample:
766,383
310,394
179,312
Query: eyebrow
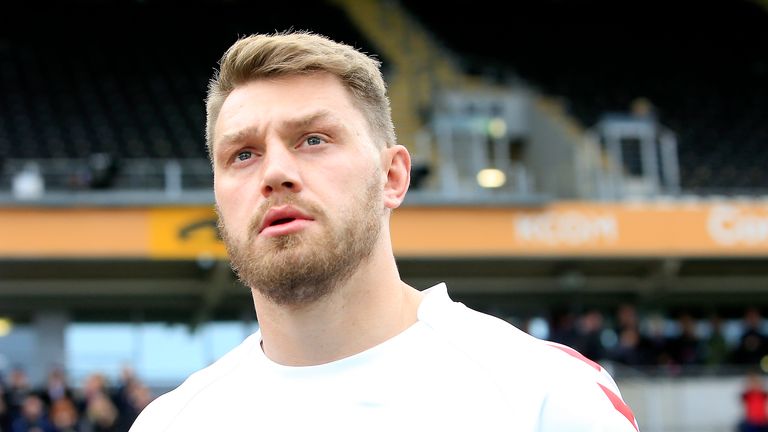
289,124
240,135
309,119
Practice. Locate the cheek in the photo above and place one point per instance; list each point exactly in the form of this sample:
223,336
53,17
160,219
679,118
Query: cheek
352,172
234,203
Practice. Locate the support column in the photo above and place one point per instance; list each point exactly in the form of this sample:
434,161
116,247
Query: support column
49,327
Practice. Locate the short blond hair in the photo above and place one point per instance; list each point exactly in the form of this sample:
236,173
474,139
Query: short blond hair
295,53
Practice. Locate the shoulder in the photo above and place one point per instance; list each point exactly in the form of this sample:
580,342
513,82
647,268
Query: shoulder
573,392
491,341
159,414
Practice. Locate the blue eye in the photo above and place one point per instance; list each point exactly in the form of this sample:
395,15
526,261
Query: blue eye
244,155
314,140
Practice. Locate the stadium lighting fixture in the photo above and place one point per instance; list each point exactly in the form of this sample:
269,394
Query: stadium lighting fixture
497,127
491,178
6,325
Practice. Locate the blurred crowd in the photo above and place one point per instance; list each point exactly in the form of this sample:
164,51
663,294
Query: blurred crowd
666,344
649,343
57,407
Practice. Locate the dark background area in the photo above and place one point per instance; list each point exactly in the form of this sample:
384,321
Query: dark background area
129,77
703,64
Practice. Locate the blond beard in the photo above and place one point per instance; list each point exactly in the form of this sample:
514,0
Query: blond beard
299,269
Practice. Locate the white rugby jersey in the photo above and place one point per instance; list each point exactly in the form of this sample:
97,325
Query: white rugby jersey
455,369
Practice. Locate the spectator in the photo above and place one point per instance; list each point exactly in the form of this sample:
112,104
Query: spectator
686,349
626,317
656,346
5,410
139,396
18,390
101,415
564,328
56,387
628,350
588,341
633,348
122,395
94,385
32,417
134,397
642,108
64,415
753,345
754,399
715,347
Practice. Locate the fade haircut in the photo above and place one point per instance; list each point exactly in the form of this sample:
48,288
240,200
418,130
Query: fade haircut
262,56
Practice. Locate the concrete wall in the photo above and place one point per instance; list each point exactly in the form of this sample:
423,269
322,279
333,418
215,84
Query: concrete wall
685,404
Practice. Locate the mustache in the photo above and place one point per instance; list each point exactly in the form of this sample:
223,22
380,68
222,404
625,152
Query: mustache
302,205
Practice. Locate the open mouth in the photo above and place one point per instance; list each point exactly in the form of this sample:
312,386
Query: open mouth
282,221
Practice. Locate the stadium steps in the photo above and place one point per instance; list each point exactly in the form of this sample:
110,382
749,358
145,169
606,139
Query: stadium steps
422,66
418,65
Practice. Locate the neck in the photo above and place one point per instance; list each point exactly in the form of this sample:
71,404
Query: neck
372,306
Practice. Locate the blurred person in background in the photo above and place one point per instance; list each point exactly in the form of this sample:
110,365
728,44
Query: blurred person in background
5,411
306,174
754,400
123,394
626,317
139,396
18,390
632,348
64,415
132,397
564,328
656,344
643,108
589,340
55,388
628,349
686,348
94,385
753,344
716,349
32,417
101,415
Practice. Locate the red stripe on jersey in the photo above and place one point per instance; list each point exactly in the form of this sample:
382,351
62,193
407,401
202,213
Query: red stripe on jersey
620,406
573,353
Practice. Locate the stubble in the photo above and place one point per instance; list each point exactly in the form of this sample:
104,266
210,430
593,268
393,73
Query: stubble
301,268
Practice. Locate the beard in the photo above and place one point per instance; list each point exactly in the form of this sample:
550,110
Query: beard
298,269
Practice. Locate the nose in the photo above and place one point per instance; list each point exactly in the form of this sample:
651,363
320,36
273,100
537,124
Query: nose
280,172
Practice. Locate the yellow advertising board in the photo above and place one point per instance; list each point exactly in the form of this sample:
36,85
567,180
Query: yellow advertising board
561,229
184,232
72,233
588,229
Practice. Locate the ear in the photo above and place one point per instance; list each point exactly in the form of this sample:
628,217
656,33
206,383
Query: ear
397,166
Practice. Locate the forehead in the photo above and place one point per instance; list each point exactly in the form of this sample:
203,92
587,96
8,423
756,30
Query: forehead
277,101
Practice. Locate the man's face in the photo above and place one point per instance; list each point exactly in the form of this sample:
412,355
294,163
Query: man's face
298,186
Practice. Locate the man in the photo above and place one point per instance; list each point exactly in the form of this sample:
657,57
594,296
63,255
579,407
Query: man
307,172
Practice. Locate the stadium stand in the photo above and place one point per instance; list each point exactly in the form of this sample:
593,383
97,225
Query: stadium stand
107,96
124,80
703,65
